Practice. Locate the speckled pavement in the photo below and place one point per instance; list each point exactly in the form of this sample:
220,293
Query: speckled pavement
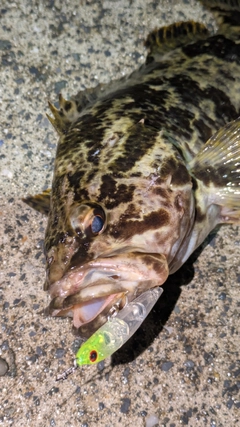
182,366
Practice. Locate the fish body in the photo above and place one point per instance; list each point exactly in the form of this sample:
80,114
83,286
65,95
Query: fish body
145,168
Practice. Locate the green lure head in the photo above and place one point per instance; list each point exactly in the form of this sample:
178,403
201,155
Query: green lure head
104,342
93,350
113,334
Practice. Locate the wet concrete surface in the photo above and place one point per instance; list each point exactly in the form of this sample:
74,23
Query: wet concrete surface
182,366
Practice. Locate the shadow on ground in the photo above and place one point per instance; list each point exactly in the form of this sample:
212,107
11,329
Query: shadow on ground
159,315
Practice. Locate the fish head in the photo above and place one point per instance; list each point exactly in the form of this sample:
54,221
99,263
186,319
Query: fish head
114,229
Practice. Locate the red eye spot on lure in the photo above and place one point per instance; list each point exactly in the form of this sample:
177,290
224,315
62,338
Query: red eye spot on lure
114,333
93,356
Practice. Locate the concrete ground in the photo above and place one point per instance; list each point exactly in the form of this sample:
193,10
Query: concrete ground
182,366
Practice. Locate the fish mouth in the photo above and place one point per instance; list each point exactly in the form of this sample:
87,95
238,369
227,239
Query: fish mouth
89,293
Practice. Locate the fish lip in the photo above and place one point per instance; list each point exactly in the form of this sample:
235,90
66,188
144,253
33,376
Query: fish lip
116,300
94,292
102,278
102,290
107,269
110,310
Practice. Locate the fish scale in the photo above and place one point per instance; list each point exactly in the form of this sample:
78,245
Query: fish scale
145,168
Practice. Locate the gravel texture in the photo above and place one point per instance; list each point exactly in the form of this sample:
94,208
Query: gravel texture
182,366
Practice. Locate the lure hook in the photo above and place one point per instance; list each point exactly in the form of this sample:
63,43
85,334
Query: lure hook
68,372
121,325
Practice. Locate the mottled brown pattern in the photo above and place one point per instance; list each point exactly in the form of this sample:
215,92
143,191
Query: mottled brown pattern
152,221
128,146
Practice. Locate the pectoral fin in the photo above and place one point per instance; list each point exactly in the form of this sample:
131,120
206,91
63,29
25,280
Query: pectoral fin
217,172
40,202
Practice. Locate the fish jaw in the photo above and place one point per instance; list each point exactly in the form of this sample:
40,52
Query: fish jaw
92,289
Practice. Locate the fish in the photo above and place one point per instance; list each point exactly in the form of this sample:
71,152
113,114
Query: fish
146,167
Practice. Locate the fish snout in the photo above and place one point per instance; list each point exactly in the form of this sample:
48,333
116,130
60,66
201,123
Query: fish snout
89,293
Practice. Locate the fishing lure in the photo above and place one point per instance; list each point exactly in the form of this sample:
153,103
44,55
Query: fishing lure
116,332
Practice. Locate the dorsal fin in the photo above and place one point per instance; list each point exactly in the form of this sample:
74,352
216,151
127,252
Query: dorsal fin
40,202
88,96
222,6
226,13
167,38
64,116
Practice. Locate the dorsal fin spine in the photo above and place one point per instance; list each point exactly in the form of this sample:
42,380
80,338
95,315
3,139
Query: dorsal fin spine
172,36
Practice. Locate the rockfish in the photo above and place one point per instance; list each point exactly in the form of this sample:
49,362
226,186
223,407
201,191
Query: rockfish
145,168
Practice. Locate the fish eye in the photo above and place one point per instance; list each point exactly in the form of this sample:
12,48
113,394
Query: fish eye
97,224
93,356
88,218
95,220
